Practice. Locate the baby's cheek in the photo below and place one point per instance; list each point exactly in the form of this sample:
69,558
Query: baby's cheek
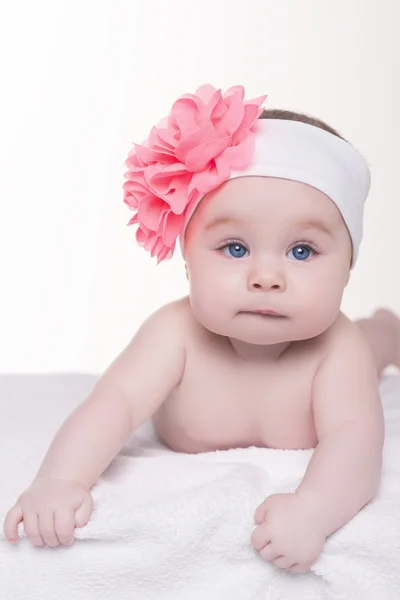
325,294
207,308
319,318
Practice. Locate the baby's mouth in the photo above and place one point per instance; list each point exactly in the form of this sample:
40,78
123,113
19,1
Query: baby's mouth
266,314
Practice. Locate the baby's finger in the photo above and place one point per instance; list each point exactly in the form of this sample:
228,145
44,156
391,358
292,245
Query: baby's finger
10,527
259,538
64,525
269,553
298,568
260,513
282,562
31,528
82,514
46,528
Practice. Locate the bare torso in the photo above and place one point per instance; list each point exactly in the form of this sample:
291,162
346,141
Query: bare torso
223,402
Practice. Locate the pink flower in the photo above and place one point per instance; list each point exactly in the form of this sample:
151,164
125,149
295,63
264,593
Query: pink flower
189,153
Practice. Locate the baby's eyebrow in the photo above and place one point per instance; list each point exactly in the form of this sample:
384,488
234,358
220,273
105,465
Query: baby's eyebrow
314,224
307,224
224,221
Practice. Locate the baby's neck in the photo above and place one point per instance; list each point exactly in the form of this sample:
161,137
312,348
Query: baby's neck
257,352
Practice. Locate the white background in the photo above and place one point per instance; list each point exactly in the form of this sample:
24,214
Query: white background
82,79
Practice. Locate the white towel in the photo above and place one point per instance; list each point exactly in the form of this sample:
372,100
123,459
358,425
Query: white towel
175,526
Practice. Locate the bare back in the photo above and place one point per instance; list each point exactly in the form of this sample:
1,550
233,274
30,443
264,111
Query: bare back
222,402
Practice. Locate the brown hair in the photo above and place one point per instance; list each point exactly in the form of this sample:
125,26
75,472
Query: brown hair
288,115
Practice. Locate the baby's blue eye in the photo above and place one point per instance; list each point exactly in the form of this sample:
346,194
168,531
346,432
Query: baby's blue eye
301,252
235,250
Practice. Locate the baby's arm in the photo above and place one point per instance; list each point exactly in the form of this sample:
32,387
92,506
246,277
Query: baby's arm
128,394
344,472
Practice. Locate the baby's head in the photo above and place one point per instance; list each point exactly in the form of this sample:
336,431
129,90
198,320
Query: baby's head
272,221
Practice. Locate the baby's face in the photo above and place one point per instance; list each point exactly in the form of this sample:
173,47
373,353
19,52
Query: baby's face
262,243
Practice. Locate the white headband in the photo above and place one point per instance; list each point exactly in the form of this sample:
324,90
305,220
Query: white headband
311,155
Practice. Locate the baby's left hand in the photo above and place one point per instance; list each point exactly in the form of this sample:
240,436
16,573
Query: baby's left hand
288,534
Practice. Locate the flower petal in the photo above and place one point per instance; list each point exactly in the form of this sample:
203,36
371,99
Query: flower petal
210,178
199,158
150,155
252,111
170,184
239,156
208,92
184,113
165,253
134,220
207,134
162,141
189,152
235,90
233,117
172,228
150,210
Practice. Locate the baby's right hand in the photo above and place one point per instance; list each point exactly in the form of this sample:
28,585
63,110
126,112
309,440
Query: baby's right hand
50,509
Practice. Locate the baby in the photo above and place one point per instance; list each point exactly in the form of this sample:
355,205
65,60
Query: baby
267,206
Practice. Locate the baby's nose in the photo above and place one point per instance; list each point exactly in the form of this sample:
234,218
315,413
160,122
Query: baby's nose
267,278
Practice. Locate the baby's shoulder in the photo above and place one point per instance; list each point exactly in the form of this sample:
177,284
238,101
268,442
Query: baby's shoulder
177,315
181,319
345,338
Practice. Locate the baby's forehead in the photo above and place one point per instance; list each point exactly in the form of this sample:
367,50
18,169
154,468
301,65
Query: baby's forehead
255,199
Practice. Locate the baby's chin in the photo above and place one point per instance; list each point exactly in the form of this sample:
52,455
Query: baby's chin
264,329
260,334
257,338
269,331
